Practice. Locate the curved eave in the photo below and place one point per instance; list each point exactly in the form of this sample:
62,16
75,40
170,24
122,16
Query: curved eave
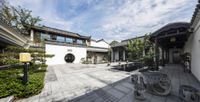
60,32
170,26
196,16
10,35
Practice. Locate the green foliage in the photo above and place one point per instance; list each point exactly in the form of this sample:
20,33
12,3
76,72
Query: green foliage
11,83
148,60
8,61
25,20
11,55
114,42
141,50
135,49
21,49
8,15
18,17
42,55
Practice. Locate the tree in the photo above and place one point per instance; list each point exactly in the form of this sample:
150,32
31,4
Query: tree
141,50
114,42
8,15
135,49
25,20
18,17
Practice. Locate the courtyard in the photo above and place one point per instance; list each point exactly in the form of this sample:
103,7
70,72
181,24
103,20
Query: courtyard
98,83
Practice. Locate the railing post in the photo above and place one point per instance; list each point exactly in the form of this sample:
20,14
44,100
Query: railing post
25,71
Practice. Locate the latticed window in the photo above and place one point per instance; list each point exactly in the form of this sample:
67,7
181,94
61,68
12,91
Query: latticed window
60,38
69,40
45,36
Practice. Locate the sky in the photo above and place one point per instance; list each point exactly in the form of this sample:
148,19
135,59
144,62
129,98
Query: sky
109,19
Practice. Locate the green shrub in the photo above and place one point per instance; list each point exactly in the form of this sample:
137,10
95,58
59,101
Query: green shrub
11,83
8,61
11,80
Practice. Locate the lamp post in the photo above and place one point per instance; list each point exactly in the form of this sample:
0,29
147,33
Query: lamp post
25,58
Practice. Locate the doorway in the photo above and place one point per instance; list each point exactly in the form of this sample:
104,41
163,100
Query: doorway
176,57
69,58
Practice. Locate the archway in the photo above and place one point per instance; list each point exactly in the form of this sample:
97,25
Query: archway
69,58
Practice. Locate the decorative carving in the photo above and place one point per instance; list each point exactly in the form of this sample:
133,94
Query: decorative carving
187,62
153,82
139,87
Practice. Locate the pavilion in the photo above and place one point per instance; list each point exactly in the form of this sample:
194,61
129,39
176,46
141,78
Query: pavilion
169,42
176,39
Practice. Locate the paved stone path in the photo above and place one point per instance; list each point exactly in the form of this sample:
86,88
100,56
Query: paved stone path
96,83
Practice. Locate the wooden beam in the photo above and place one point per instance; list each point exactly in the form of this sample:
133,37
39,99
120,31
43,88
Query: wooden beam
163,61
171,35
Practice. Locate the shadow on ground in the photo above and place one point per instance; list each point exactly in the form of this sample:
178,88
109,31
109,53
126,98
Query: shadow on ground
122,91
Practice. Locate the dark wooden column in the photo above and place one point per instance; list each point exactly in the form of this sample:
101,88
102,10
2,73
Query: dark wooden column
167,55
163,59
114,51
156,54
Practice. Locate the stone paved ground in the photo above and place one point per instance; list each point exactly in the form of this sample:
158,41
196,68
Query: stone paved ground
96,83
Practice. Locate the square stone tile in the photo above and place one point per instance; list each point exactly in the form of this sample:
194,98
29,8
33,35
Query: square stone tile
123,89
128,85
116,93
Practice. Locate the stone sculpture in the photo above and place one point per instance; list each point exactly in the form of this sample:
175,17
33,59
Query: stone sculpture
189,94
153,82
139,87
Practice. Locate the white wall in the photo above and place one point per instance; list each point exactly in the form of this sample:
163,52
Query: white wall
60,52
187,47
193,46
102,44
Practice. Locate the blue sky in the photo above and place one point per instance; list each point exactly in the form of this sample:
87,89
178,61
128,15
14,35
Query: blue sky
109,19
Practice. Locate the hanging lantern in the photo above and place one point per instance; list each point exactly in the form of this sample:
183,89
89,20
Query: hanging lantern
172,39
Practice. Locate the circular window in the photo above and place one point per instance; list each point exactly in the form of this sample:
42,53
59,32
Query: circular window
69,58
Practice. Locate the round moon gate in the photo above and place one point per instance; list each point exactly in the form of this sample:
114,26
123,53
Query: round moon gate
69,58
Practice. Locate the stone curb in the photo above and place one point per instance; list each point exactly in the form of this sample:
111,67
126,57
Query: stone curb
7,99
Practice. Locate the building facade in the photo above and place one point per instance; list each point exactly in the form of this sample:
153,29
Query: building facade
118,50
170,41
69,47
178,39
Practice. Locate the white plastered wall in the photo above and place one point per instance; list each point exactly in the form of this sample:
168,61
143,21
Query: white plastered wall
60,51
101,44
193,46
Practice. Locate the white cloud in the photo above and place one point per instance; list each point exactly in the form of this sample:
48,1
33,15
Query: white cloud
140,17
46,10
110,19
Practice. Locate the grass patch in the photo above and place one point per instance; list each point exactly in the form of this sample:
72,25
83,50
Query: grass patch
11,82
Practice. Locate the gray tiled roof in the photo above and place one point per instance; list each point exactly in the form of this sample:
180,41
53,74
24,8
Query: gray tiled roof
59,31
196,14
125,42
